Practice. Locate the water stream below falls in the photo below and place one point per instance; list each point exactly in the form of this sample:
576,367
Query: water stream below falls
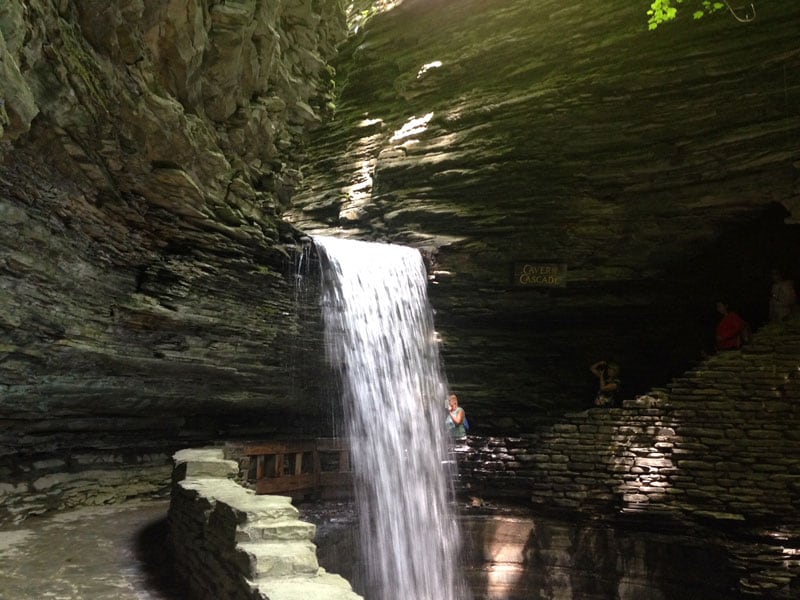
380,337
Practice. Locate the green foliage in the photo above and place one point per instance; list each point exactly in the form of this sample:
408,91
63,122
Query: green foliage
662,11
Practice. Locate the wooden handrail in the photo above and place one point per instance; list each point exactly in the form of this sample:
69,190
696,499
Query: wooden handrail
297,467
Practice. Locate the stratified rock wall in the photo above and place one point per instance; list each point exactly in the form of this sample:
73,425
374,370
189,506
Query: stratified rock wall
522,557
147,285
714,454
150,149
654,165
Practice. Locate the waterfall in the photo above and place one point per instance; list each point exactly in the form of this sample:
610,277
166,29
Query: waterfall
379,335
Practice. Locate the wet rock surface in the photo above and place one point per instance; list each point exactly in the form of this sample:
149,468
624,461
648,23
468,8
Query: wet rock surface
147,170
510,552
91,553
150,151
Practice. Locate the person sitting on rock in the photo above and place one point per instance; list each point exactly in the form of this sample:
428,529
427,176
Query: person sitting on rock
731,330
608,375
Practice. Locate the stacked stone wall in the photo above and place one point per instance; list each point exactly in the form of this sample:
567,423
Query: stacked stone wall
229,543
717,449
78,479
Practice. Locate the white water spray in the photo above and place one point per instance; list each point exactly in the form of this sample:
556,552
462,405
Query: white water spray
379,334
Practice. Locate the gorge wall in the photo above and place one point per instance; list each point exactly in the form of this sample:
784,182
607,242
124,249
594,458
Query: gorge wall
161,164
690,491
657,167
147,297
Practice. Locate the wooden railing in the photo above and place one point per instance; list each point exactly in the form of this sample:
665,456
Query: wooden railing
318,467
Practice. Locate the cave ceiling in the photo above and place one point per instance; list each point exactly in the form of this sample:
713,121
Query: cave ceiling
653,169
555,130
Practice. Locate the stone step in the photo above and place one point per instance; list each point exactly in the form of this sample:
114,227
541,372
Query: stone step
203,463
245,503
286,529
326,586
279,559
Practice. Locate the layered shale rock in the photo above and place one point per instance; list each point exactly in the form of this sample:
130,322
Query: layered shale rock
156,184
654,169
148,295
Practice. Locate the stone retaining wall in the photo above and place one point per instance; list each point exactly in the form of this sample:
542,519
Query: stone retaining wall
79,479
229,543
521,556
718,449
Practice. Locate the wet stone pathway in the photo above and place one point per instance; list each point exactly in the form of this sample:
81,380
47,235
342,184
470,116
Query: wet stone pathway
93,553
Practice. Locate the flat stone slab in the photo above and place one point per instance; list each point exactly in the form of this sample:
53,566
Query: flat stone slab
281,559
326,586
257,508
204,462
272,530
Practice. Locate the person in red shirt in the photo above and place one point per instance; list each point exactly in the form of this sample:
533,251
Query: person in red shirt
730,329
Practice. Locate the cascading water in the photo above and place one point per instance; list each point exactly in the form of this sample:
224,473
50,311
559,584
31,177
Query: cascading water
379,334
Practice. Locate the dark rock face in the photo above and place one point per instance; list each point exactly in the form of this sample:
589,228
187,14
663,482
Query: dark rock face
156,185
519,557
147,284
658,167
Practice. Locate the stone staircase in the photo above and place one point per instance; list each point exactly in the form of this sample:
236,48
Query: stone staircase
230,543
717,450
